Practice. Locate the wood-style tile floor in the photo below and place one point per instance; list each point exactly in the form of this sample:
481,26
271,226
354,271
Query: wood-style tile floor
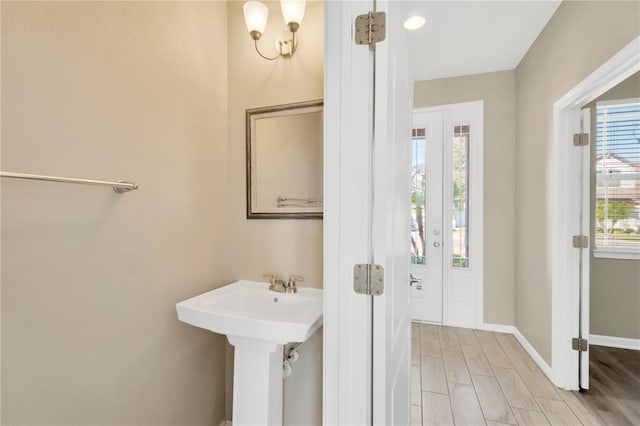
614,385
472,377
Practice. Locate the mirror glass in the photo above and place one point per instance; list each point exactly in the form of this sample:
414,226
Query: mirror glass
284,161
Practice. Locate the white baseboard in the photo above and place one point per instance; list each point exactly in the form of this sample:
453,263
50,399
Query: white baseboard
500,328
533,353
615,342
426,322
546,369
226,423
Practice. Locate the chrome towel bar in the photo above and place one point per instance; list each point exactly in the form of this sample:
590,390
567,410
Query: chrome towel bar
118,186
284,201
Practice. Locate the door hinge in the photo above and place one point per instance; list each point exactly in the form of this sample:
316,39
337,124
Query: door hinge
371,28
580,241
578,344
368,279
581,139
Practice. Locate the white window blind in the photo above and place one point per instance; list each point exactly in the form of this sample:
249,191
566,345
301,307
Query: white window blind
617,201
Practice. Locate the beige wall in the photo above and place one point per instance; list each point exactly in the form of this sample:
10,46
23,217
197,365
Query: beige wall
614,284
90,278
615,298
577,40
303,389
261,246
497,89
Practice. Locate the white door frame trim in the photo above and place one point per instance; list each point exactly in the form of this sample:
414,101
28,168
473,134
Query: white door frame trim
566,196
476,202
347,362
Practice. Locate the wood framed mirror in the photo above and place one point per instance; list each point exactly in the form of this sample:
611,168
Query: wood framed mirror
285,161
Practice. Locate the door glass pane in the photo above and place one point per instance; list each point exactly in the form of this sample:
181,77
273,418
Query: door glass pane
418,196
460,210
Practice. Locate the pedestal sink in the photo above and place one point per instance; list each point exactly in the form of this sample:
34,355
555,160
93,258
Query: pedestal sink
258,322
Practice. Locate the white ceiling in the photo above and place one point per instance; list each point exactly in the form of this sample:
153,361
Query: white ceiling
471,37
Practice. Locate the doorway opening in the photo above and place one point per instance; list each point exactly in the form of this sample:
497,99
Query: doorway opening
572,218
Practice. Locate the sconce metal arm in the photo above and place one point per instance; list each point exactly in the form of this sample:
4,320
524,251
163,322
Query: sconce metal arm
294,46
255,42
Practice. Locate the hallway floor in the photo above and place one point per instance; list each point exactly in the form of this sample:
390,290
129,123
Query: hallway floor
472,377
614,385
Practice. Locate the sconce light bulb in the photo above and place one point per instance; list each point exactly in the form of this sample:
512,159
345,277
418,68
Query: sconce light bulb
293,12
255,16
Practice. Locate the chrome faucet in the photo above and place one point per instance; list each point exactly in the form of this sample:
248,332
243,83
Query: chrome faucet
276,284
291,284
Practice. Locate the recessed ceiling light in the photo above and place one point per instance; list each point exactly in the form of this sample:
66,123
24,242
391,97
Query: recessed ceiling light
414,22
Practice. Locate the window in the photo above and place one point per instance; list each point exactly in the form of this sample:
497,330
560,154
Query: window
418,197
460,216
617,198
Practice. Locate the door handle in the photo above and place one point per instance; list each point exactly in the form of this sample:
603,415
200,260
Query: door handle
436,244
413,280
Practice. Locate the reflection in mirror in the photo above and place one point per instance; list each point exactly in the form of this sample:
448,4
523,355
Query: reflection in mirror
284,161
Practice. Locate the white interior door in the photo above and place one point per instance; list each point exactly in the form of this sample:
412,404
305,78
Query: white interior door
366,184
584,224
347,349
391,310
426,217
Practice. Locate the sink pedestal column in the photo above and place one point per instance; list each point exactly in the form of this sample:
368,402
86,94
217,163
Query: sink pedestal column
257,382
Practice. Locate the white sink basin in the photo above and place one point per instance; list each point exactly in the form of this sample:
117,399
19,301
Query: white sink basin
257,322
248,309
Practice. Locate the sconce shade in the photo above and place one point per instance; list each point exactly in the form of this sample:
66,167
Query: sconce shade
292,11
255,16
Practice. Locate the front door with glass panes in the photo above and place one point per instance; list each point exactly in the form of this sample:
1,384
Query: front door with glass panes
446,214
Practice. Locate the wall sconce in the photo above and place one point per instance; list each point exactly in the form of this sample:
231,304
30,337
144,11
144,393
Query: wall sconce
256,14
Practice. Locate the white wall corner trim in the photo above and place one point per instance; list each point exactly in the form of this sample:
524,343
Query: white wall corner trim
499,328
615,342
546,369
